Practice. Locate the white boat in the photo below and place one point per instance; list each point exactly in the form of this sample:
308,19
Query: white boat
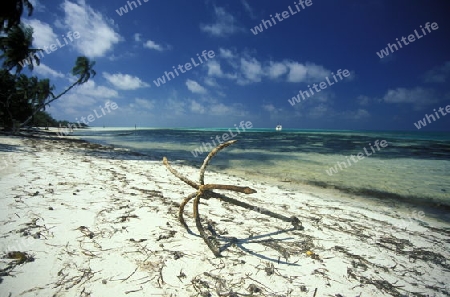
278,127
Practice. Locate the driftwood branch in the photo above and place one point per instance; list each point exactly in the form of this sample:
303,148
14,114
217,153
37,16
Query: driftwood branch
177,174
293,220
205,191
198,223
209,157
245,190
181,210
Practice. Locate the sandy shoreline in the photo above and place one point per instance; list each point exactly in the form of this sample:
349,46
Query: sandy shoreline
97,221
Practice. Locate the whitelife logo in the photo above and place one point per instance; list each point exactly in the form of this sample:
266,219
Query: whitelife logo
423,123
53,47
285,14
109,105
169,75
322,86
360,156
411,38
225,137
122,10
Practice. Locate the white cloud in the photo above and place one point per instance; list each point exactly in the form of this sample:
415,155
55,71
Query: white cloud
97,35
195,87
225,24
247,69
268,107
361,113
271,108
43,35
137,37
37,6
143,103
248,8
44,70
417,97
438,74
316,72
175,107
297,72
323,96
213,107
113,57
197,107
91,89
214,69
226,53
211,82
363,100
221,109
71,105
81,101
319,111
276,69
125,81
252,70
221,94
355,115
153,45
307,72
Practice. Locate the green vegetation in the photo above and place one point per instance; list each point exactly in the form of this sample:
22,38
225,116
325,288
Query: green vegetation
23,99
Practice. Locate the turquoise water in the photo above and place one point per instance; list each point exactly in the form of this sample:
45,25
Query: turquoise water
413,166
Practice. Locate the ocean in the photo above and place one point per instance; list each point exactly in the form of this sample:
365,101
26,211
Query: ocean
412,167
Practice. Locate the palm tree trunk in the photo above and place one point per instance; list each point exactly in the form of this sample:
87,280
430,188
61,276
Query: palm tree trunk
10,124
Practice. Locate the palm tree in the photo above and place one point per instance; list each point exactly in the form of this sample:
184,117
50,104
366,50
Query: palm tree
16,48
20,95
15,100
44,91
7,92
39,90
11,12
83,69
26,86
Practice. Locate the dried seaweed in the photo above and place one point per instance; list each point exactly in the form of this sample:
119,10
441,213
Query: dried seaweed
18,258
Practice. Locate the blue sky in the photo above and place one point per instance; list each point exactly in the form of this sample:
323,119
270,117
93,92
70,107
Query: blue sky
251,76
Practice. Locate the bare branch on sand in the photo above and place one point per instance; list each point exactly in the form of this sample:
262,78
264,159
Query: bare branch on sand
206,192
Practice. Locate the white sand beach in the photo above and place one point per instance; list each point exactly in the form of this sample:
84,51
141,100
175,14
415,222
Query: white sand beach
79,219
